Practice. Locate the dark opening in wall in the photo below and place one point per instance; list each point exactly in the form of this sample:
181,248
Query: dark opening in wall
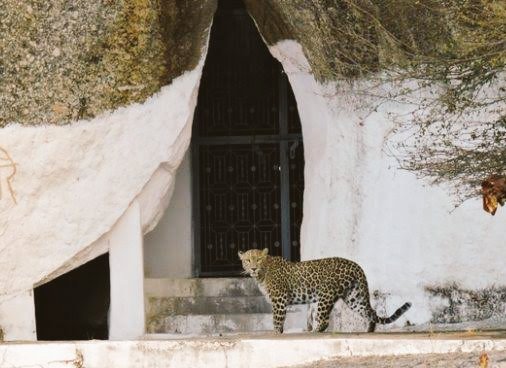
247,150
75,305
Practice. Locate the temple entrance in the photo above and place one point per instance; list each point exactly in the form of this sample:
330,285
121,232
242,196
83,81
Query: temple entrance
247,153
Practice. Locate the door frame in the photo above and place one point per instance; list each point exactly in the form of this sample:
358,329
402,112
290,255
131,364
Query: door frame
284,139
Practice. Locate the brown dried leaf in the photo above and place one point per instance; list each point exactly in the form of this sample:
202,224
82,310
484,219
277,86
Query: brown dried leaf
484,360
493,190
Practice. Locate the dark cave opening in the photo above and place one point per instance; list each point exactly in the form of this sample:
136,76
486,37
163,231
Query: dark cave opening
75,305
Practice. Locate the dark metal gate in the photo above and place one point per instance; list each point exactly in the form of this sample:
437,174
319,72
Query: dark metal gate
247,155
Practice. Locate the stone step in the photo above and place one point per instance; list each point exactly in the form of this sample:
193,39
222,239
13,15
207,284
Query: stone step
225,305
205,324
207,305
208,287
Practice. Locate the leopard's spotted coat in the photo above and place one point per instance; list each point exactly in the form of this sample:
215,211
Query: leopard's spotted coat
321,281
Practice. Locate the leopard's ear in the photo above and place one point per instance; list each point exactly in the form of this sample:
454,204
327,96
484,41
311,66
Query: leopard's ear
265,251
240,254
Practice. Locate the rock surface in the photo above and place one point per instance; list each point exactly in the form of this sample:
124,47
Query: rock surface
64,61
343,39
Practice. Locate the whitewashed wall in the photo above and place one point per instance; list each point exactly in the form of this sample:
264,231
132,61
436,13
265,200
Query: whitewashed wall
168,248
359,205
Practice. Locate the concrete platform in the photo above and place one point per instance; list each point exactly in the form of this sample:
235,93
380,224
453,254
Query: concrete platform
241,351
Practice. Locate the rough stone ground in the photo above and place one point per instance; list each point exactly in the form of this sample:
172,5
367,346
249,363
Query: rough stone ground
455,360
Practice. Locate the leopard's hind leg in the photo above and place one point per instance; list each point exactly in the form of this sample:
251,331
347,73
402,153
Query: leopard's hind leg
357,299
324,308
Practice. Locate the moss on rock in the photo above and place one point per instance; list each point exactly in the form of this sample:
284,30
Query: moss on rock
63,61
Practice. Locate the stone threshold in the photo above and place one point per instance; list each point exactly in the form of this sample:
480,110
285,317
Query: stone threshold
241,350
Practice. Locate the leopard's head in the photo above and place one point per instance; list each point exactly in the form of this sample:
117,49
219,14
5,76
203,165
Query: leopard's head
253,261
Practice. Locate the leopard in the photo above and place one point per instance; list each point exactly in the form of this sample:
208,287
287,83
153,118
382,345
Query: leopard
321,281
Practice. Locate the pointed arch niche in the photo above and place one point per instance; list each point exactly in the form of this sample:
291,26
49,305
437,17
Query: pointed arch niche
241,184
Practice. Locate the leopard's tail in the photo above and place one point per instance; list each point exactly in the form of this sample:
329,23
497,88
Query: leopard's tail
399,312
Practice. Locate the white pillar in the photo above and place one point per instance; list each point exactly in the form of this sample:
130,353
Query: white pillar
17,317
127,316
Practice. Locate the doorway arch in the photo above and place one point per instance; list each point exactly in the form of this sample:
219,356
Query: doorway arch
247,151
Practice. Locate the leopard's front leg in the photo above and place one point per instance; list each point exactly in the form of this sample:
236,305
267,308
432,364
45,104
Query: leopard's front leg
279,303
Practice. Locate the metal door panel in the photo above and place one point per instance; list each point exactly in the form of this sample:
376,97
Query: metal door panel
239,203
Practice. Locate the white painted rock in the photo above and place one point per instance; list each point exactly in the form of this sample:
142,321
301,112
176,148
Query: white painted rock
63,187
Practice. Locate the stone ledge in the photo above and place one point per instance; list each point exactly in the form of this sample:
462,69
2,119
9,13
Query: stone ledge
238,351
208,287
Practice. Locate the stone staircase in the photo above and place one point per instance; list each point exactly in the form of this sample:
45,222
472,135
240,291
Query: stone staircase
212,306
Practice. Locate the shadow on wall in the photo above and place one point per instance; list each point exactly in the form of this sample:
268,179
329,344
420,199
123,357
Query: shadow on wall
75,305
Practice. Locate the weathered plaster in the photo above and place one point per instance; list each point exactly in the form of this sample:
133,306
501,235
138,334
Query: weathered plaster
464,305
17,316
